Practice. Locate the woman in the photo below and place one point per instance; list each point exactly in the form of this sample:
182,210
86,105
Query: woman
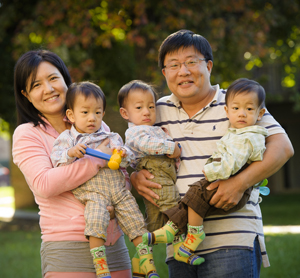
41,81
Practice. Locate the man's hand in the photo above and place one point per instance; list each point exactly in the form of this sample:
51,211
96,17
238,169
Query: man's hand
229,193
141,182
279,150
77,151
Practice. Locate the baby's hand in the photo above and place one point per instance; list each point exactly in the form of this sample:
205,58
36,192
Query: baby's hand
121,151
77,151
111,211
177,151
204,175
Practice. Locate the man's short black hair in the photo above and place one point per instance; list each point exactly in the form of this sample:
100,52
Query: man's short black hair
184,38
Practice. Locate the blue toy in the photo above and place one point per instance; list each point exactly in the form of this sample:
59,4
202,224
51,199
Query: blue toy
114,160
263,189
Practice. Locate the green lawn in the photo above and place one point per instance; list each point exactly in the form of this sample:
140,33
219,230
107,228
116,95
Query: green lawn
19,252
283,250
284,256
281,209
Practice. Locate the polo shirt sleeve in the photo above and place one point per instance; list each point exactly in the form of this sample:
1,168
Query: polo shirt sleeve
270,124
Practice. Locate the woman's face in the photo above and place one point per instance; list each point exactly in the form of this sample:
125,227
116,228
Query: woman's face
48,93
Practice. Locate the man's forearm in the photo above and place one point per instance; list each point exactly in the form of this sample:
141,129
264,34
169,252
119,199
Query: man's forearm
278,151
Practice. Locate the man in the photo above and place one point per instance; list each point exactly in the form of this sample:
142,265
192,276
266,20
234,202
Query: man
195,117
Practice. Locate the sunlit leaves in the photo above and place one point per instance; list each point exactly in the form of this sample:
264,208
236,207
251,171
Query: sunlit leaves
254,61
35,38
289,81
288,52
113,41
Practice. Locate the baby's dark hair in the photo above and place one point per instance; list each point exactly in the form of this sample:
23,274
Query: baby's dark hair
244,85
131,86
86,89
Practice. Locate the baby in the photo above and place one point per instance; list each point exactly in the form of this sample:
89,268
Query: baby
154,149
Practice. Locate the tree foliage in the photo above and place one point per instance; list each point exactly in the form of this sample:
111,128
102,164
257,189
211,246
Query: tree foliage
113,42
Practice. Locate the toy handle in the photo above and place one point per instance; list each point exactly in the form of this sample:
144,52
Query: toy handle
264,190
98,154
113,160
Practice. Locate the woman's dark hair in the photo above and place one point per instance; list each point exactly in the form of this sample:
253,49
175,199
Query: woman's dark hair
244,85
86,89
134,85
184,38
26,68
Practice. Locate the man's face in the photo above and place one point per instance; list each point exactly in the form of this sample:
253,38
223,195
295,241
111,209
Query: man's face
188,85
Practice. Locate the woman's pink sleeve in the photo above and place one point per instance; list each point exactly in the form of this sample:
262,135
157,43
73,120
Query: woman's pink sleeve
31,153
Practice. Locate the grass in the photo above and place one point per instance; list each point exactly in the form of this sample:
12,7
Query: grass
281,209
284,256
283,249
19,252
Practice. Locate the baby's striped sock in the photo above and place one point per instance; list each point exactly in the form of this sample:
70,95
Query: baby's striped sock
163,235
147,266
136,270
100,262
194,237
192,259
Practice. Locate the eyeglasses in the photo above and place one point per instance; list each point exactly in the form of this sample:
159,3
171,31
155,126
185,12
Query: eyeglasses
174,66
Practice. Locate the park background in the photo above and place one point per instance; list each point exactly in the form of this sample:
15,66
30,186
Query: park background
112,42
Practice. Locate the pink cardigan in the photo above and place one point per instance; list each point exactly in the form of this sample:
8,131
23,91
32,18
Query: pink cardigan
61,214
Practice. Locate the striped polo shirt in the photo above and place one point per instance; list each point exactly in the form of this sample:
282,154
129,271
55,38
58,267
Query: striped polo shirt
198,137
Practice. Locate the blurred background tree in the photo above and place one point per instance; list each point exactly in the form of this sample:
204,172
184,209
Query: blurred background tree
112,42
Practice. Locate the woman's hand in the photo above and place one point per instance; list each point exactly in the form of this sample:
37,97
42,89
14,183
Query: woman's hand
111,211
141,182
103,147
